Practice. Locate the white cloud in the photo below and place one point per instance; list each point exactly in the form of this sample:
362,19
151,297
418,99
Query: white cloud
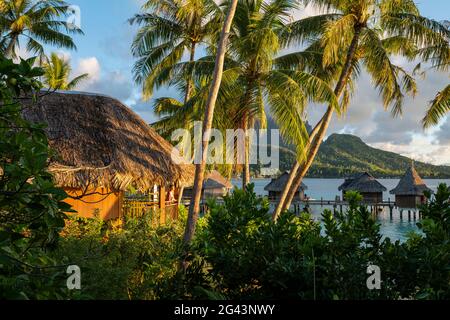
90,66
65,55
112,83
443,134
367,119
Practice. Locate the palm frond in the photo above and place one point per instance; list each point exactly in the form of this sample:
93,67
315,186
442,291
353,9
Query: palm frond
384,73
76,81
305,29
337,36
439,108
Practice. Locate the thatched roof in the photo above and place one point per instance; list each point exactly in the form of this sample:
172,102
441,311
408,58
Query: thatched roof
411,184
278,184
99,142
214,180
363,182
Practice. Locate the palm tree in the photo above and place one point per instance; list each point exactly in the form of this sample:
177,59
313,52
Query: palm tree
259,33
194,209
57,71
439,107
168,30
439,56
255,75
365,33
39,22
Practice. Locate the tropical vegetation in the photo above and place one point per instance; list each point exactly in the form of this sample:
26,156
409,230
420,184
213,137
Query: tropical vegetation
57,71
31,207
365,34
167,30
38,22
439,108
239,249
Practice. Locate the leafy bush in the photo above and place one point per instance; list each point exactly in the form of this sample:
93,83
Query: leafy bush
429,255
240,253
31,207
121,263
248,256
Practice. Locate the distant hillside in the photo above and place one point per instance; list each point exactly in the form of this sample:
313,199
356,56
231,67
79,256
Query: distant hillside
342,155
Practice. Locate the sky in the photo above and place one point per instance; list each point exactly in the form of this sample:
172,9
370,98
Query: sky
104,52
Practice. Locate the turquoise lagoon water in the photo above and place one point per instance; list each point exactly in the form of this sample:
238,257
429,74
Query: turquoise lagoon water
327,189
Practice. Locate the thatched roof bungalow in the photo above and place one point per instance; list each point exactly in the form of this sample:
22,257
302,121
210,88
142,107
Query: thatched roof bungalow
214,186
276,186
103,148
366,185
409,192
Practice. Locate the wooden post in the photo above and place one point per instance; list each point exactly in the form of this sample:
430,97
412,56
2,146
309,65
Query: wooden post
401,214
180,195
180,199
391,209
409,215
162,205
121,204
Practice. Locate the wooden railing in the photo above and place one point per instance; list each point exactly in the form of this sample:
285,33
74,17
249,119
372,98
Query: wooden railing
136,208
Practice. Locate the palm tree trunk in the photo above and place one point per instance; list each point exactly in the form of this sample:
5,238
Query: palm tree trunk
9,52
188,93
246,124
246,171
322,129
194,209
313,150
292,175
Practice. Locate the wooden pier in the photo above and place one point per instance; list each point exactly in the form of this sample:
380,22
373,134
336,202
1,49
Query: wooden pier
413,213
338,205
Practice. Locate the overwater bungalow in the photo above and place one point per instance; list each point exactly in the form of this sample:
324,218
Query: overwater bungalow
102,149
366,185
276,186
214,186
409,192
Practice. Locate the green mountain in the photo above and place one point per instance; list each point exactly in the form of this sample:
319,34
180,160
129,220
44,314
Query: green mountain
343,155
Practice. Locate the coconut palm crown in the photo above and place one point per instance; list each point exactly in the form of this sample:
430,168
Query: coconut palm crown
255,76
37,22
168,29
57,72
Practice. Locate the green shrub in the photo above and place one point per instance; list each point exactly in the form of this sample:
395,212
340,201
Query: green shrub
428,255
121,263
31,207
245,255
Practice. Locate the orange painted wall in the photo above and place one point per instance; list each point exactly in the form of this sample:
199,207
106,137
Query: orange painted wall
108,204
